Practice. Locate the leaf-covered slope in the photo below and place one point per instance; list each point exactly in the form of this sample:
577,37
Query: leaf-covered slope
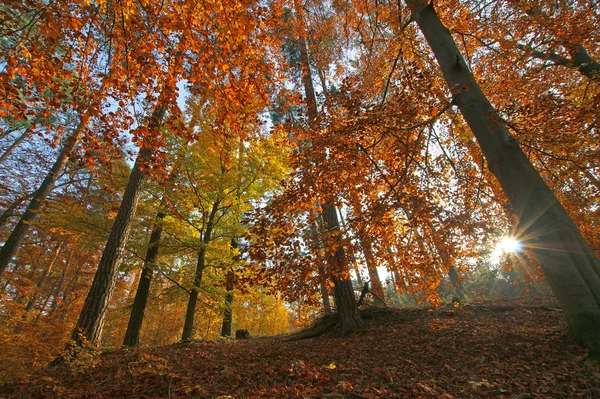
499,350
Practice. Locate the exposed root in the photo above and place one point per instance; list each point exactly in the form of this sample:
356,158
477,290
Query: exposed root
325,324
330,325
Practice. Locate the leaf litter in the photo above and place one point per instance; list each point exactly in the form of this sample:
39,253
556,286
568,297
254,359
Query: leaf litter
513,348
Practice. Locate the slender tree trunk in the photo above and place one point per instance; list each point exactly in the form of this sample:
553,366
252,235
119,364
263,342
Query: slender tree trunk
324,288
227,312
352,258
229,285
309,90
93,314
570,265
43,277
376,286
59,286
63,275
188,327
15,144
14,240
132,335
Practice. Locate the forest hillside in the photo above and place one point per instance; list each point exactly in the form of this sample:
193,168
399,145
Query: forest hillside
509,348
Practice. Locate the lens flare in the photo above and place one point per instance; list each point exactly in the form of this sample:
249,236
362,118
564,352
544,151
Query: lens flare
509,245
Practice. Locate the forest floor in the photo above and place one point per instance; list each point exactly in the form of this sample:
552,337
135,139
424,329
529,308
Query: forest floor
493,349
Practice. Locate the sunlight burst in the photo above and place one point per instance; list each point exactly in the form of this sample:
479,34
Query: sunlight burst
509,244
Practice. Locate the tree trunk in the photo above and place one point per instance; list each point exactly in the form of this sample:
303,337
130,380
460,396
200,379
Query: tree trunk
349,319
351,257
376,286
188,327
324,288
323,279
15,144
227,312
570,265
229,285
132,335
14,240
93,314
309,90
59,286
43,277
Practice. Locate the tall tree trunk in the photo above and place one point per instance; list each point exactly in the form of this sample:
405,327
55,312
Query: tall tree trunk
352,258
570,265
15,144
229,285
324,288
188,327
93,314
43,277
59,286
63,275
376,286
132,335
14,239
349,319
323,279
228,311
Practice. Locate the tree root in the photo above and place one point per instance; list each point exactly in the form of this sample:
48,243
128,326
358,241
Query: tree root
329,324
325,324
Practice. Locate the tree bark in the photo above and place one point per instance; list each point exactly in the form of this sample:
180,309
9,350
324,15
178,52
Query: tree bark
188,327
323,279
309,90
227,312
93,314
376,286
324,288
229,285
132,335
570,265
352,258
13,241
349,320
